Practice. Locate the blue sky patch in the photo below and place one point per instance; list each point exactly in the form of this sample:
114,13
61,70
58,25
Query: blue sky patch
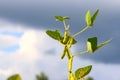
15,34
10,49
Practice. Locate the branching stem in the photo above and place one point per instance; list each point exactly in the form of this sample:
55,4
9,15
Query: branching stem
83,52
64,25
84,29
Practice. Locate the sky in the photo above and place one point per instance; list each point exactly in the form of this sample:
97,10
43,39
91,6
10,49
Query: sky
26,49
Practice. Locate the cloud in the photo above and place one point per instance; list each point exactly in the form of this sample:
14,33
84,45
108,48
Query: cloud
5,72
31,58
42,17
41,13
106,71
6,40
32,46
23,59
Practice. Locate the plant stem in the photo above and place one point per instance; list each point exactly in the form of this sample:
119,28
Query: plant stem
70,64
69,73
83,52
64,25
84,29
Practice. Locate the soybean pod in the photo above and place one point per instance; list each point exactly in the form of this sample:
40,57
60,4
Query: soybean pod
65,36
63,54
70,42
68,53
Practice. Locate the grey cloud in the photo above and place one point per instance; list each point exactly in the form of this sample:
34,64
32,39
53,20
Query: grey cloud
50,52
39,13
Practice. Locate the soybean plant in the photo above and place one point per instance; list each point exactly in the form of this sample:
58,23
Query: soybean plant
68,39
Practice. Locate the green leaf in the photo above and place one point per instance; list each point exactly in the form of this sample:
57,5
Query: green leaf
14,77
54,34
94,17
66,18
82,72
60,18
88,18
103,44
92,44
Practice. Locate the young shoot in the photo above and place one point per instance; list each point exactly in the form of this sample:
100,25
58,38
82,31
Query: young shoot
67,40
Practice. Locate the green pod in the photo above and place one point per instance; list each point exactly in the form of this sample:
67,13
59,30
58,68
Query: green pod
65,37
68,54
70,42
63,54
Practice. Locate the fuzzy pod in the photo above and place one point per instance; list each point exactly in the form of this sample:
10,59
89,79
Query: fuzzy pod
65,37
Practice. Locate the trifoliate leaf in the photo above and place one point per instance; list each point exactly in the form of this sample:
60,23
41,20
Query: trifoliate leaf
66,18
82,72
88,18
14,77
54,34
92,44
94,17
60,18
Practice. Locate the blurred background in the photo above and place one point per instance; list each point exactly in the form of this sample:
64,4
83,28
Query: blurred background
26,49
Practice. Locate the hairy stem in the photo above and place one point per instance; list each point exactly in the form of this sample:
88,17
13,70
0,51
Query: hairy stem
64,25
84,29
83,52
70,62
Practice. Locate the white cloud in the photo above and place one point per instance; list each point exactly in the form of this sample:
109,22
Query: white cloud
28,44
6,40
5,72
9,40
33,44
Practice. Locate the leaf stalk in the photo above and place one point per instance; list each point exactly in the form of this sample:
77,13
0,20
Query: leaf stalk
84,29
